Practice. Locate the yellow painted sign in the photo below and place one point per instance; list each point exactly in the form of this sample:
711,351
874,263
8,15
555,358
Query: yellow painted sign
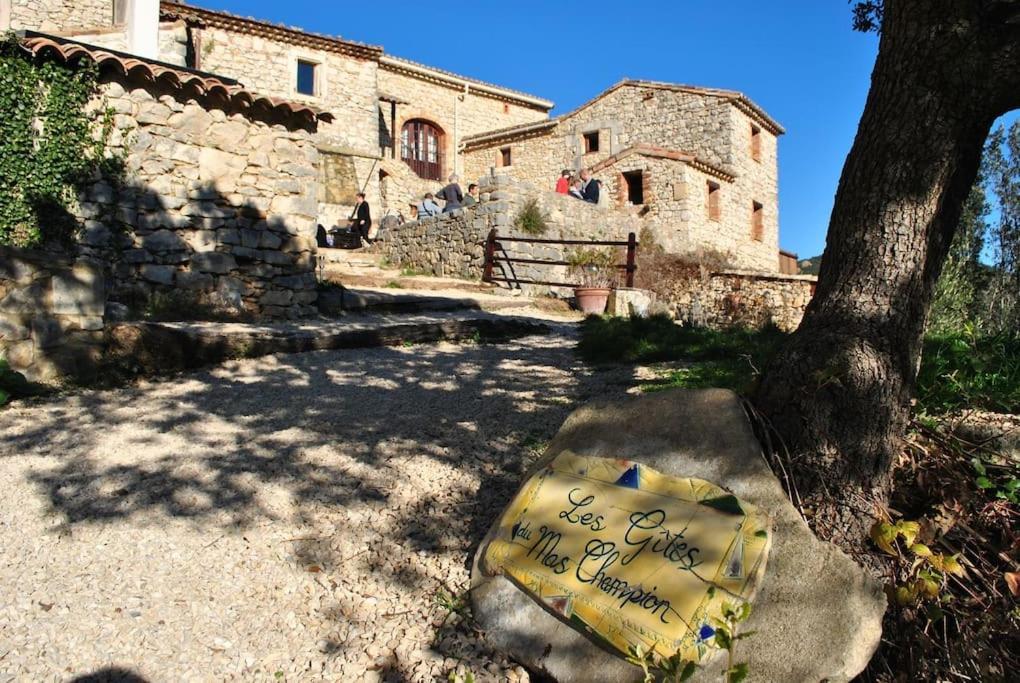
629,555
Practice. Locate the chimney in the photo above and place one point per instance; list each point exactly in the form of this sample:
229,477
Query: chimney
143,28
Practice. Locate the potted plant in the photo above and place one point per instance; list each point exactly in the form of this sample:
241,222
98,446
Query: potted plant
595,271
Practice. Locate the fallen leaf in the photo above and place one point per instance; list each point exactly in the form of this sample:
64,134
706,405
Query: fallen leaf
1013,581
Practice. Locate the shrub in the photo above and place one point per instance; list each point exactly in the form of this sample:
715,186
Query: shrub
531,219
969,370
592,267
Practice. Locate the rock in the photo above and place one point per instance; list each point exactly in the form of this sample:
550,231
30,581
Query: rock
80,291
161,275
221,168
277,298
163,240
213,262
117,312
817,615
630,303
47,333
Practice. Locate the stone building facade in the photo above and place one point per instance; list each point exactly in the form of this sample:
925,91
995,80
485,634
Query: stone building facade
697,165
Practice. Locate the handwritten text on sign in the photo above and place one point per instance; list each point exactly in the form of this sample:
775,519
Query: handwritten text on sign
629,555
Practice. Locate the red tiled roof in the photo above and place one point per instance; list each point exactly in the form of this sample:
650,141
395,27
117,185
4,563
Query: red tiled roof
266,29
175,77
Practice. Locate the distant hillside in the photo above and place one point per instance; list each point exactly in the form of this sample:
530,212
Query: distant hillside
810,266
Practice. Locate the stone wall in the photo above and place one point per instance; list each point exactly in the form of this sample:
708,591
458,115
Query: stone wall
452,245
51,313
60,15
346,84
212,202
744,298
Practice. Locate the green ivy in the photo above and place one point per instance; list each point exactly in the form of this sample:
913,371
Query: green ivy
48,145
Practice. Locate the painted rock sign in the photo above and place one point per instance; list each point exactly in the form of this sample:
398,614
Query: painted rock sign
628,555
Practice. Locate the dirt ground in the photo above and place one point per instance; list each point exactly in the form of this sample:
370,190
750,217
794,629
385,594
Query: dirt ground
301,517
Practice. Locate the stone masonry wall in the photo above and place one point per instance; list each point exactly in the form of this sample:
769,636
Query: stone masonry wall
452,245
347,84
745,298
60,15
51,313
212,202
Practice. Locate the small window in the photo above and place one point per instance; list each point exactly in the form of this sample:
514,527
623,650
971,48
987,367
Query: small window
504,157
506,108
714,210
755,142
591,142
306,77
757,222
635,182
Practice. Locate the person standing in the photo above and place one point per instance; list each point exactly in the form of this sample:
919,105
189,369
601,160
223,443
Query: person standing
589,187
361,217
563,184
451,194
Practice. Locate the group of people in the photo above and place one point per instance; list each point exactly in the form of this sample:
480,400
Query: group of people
452,195
582,187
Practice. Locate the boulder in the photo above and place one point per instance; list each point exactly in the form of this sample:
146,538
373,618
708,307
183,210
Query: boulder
817,615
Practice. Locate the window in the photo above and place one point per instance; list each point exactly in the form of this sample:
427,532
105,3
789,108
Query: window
421,148
755,142
714,210
757,222
591,142
506,108
635,185
504,157
306,77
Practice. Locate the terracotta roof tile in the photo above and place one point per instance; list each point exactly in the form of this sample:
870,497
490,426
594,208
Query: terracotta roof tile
67,51
663,153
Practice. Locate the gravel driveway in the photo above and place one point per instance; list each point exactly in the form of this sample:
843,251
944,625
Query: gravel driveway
297,517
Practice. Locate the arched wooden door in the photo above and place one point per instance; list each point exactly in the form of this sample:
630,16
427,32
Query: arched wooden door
421,145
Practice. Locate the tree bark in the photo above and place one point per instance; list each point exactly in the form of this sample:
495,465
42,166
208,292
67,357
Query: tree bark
839,392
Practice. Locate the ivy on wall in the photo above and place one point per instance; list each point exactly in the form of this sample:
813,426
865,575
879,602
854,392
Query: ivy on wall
48,143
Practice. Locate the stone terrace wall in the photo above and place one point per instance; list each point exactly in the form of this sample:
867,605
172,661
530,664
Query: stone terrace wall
739,298
452,245
214,203
51,313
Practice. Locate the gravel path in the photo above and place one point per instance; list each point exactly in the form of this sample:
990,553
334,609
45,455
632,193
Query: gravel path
303,517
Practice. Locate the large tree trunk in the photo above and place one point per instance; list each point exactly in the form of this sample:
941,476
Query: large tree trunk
839,392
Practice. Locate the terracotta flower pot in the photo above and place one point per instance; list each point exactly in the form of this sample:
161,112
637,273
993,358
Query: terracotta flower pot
592,300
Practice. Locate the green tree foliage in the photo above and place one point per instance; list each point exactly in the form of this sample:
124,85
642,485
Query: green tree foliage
973,292
48,147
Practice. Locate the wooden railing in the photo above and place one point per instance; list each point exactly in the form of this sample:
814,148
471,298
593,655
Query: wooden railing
495,255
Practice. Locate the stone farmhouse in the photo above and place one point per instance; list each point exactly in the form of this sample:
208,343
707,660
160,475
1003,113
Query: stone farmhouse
698,166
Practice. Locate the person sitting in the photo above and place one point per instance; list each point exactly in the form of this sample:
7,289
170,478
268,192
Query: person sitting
428,207
589,187
563,183
575,190
451,194
472,196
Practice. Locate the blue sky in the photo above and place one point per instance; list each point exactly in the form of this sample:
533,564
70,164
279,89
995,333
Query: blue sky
799,59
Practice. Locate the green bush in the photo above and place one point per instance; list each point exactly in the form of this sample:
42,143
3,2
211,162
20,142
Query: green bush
969,370
531,219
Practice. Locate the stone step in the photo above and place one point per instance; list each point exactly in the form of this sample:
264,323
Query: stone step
151,348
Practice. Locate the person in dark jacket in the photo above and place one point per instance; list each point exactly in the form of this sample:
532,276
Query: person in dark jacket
361,217
589,187
451,194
